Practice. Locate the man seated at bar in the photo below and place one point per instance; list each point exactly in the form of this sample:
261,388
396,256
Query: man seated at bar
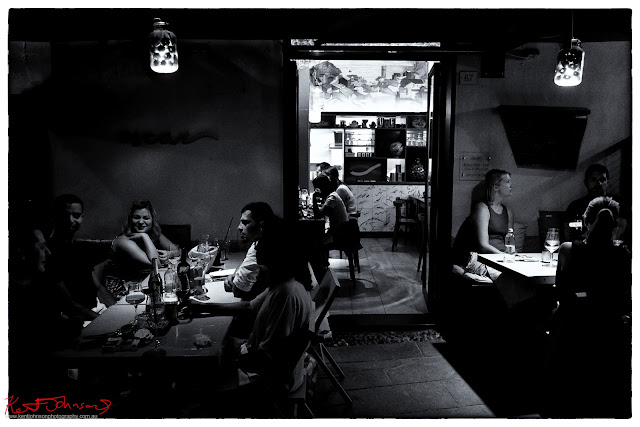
81,295
596,180
244,282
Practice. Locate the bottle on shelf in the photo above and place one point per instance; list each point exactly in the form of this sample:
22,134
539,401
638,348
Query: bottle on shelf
510,246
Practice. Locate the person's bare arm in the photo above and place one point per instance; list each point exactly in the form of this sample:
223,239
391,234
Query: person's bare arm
138,247
480,221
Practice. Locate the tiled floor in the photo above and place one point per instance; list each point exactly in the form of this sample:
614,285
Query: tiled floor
403,380
388,282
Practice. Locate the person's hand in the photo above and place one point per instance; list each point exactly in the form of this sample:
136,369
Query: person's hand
137,237
163,256
228,283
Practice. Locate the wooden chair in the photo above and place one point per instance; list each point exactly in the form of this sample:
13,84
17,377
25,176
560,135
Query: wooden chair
180,234
407,220
323,295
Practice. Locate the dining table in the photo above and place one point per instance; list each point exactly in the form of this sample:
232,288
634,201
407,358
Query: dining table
197,338
525,279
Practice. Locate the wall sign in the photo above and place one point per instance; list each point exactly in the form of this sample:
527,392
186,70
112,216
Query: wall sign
468,77
473,166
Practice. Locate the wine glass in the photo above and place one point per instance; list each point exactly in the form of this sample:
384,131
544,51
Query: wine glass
616,236
224,247
552,241
174,255
135,296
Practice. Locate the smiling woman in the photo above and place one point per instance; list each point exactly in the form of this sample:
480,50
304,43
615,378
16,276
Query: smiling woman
141,239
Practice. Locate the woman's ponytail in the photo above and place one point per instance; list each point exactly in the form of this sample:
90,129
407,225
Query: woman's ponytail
601,214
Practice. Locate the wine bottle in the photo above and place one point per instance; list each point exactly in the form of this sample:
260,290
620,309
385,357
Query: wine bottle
155,285
183,275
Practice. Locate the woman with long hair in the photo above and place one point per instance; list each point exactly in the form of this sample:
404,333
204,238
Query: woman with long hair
141,239
491,218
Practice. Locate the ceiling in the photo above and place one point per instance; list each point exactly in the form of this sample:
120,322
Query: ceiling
454,28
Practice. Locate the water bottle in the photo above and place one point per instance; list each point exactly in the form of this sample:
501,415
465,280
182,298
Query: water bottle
510,246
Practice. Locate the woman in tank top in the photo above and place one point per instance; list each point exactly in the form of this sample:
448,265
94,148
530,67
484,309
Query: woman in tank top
490,218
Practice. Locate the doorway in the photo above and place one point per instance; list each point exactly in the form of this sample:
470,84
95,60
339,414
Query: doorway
332,115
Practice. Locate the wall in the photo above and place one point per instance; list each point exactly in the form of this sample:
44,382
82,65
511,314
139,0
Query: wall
605,91
375,203
199,143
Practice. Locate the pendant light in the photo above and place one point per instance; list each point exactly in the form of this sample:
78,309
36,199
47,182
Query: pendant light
163,48
570,65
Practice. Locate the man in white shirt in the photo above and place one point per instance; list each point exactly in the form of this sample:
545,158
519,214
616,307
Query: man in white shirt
245,282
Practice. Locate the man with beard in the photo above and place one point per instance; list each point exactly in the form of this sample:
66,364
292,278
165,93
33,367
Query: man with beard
596,180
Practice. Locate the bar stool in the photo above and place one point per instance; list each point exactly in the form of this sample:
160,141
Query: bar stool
405,220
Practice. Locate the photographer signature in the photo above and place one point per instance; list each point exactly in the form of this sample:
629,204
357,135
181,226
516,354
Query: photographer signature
52,404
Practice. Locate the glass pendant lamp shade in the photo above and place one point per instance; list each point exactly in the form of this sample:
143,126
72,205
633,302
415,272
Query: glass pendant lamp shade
163,48
570,65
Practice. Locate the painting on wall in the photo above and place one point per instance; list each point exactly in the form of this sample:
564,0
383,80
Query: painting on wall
364,86
363,169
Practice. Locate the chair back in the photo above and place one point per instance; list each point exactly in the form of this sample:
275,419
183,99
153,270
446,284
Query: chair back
323,298
549,219
180,234
347,235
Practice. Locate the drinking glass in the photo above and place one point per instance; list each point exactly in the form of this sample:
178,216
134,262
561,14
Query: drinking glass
203,245
552,241
224,249
135,296
174,258
304,197
616,236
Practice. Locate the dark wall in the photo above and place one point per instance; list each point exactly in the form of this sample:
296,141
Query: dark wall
199,143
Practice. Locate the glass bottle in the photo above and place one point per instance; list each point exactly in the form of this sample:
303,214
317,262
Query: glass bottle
155,285
510,246
163,48
183,275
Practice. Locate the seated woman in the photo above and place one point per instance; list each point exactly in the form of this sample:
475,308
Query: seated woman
343,191
140,241
485,229
589,377
333,207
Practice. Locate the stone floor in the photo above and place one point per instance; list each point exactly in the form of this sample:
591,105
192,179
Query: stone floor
410,379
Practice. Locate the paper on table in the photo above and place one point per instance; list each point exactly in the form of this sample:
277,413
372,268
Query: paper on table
216,294
221,273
